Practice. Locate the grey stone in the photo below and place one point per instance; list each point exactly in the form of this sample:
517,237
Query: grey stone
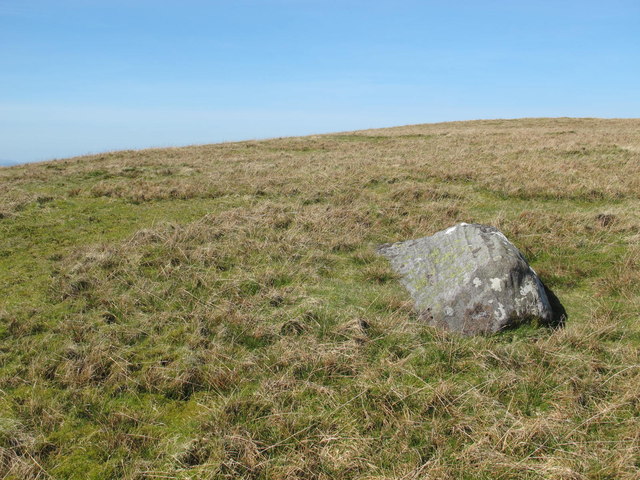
470,279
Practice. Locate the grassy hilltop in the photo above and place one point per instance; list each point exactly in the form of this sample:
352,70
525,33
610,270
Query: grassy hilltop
218,311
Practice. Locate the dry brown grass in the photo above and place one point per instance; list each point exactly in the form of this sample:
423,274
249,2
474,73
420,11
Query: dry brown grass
219,311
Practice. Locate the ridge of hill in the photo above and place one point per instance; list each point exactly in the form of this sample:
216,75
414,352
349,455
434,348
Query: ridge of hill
219,311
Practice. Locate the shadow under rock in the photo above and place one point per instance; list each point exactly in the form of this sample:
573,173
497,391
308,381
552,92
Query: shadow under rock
560,315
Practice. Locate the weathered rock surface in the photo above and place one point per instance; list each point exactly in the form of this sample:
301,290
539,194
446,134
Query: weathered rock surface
470,279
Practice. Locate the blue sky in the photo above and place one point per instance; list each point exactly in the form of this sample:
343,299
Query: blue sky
85,76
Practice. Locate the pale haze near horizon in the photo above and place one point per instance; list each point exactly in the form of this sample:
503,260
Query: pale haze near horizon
82,76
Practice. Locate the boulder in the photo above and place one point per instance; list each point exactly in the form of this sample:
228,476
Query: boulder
470,279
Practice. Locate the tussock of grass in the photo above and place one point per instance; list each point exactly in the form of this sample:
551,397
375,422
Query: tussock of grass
220,312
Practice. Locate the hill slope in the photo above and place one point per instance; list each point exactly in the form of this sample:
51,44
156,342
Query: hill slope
219,312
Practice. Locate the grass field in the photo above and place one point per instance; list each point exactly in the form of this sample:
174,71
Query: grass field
219,311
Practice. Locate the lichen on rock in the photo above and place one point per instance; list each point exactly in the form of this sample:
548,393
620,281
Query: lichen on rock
470,279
